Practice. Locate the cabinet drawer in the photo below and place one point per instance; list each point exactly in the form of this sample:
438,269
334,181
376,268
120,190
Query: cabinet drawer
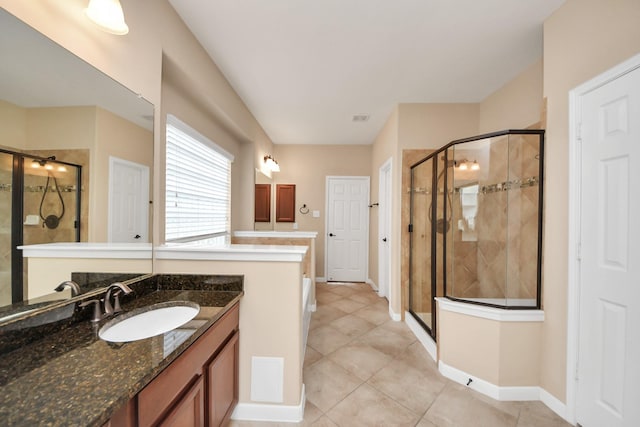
157,398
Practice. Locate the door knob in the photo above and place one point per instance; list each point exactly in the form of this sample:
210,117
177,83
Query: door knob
137,236
384,239
331,234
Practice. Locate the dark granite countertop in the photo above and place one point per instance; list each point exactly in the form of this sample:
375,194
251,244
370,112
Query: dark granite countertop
66,375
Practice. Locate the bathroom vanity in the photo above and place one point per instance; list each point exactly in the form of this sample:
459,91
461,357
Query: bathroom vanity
63,373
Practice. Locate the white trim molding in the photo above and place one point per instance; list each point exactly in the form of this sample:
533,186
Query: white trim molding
88,250
491,313
396,317
485,387
282,234
269,412
425,339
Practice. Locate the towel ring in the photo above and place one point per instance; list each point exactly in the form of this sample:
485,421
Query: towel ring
304,209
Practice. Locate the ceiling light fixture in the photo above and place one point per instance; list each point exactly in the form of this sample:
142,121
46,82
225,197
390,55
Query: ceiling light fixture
108,15
271,164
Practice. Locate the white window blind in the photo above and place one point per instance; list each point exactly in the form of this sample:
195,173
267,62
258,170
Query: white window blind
198,185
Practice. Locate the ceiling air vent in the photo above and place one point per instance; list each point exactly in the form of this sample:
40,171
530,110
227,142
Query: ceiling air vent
360,118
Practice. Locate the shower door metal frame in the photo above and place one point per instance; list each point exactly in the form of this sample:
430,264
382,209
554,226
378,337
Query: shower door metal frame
17,215
541,134
434,204
434,195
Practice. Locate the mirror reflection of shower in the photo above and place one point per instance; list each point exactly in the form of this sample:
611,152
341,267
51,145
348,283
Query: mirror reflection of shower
39,203
50,220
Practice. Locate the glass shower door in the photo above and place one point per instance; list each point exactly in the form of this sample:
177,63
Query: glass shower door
420,272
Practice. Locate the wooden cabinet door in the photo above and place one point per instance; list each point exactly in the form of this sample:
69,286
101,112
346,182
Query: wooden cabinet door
126,416
285,203
263,203
223,383
189,411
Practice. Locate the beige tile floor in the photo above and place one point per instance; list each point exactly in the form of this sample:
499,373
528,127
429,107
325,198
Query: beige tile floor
363,369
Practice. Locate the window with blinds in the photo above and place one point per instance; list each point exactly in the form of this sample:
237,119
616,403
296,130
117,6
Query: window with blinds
198,185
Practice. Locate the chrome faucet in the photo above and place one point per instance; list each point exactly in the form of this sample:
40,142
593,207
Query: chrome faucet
70,284
119,288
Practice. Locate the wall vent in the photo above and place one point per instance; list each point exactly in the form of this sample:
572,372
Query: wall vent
360,118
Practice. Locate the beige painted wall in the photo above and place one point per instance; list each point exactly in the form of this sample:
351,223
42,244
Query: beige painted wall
384,147
582,39
506,354
470,344
420,126
516,105
104,134
119,138
272,303
307,166
13,126
157,35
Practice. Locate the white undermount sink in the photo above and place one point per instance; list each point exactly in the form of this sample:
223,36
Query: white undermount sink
149,321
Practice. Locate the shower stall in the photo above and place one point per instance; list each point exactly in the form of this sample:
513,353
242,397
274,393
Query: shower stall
476,224
39,203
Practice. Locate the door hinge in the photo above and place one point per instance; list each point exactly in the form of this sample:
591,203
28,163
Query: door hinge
579,132
410,228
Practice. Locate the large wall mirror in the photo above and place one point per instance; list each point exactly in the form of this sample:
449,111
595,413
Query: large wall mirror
76,153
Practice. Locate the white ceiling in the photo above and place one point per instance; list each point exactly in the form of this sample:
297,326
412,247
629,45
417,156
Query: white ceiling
305,67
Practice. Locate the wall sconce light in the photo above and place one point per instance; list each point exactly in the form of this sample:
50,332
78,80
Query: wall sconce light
271,164
44,163
108,15
465,164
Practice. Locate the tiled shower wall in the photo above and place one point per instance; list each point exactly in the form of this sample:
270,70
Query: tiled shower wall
502,263
34,183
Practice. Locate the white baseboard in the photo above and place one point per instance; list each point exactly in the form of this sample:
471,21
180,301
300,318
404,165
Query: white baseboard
372,284
427,342
485,387
396,317
321,279
556,405
269,412
506,393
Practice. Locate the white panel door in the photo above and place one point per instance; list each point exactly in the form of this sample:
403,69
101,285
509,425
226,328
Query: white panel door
128,202
347,228
384,230
609,341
